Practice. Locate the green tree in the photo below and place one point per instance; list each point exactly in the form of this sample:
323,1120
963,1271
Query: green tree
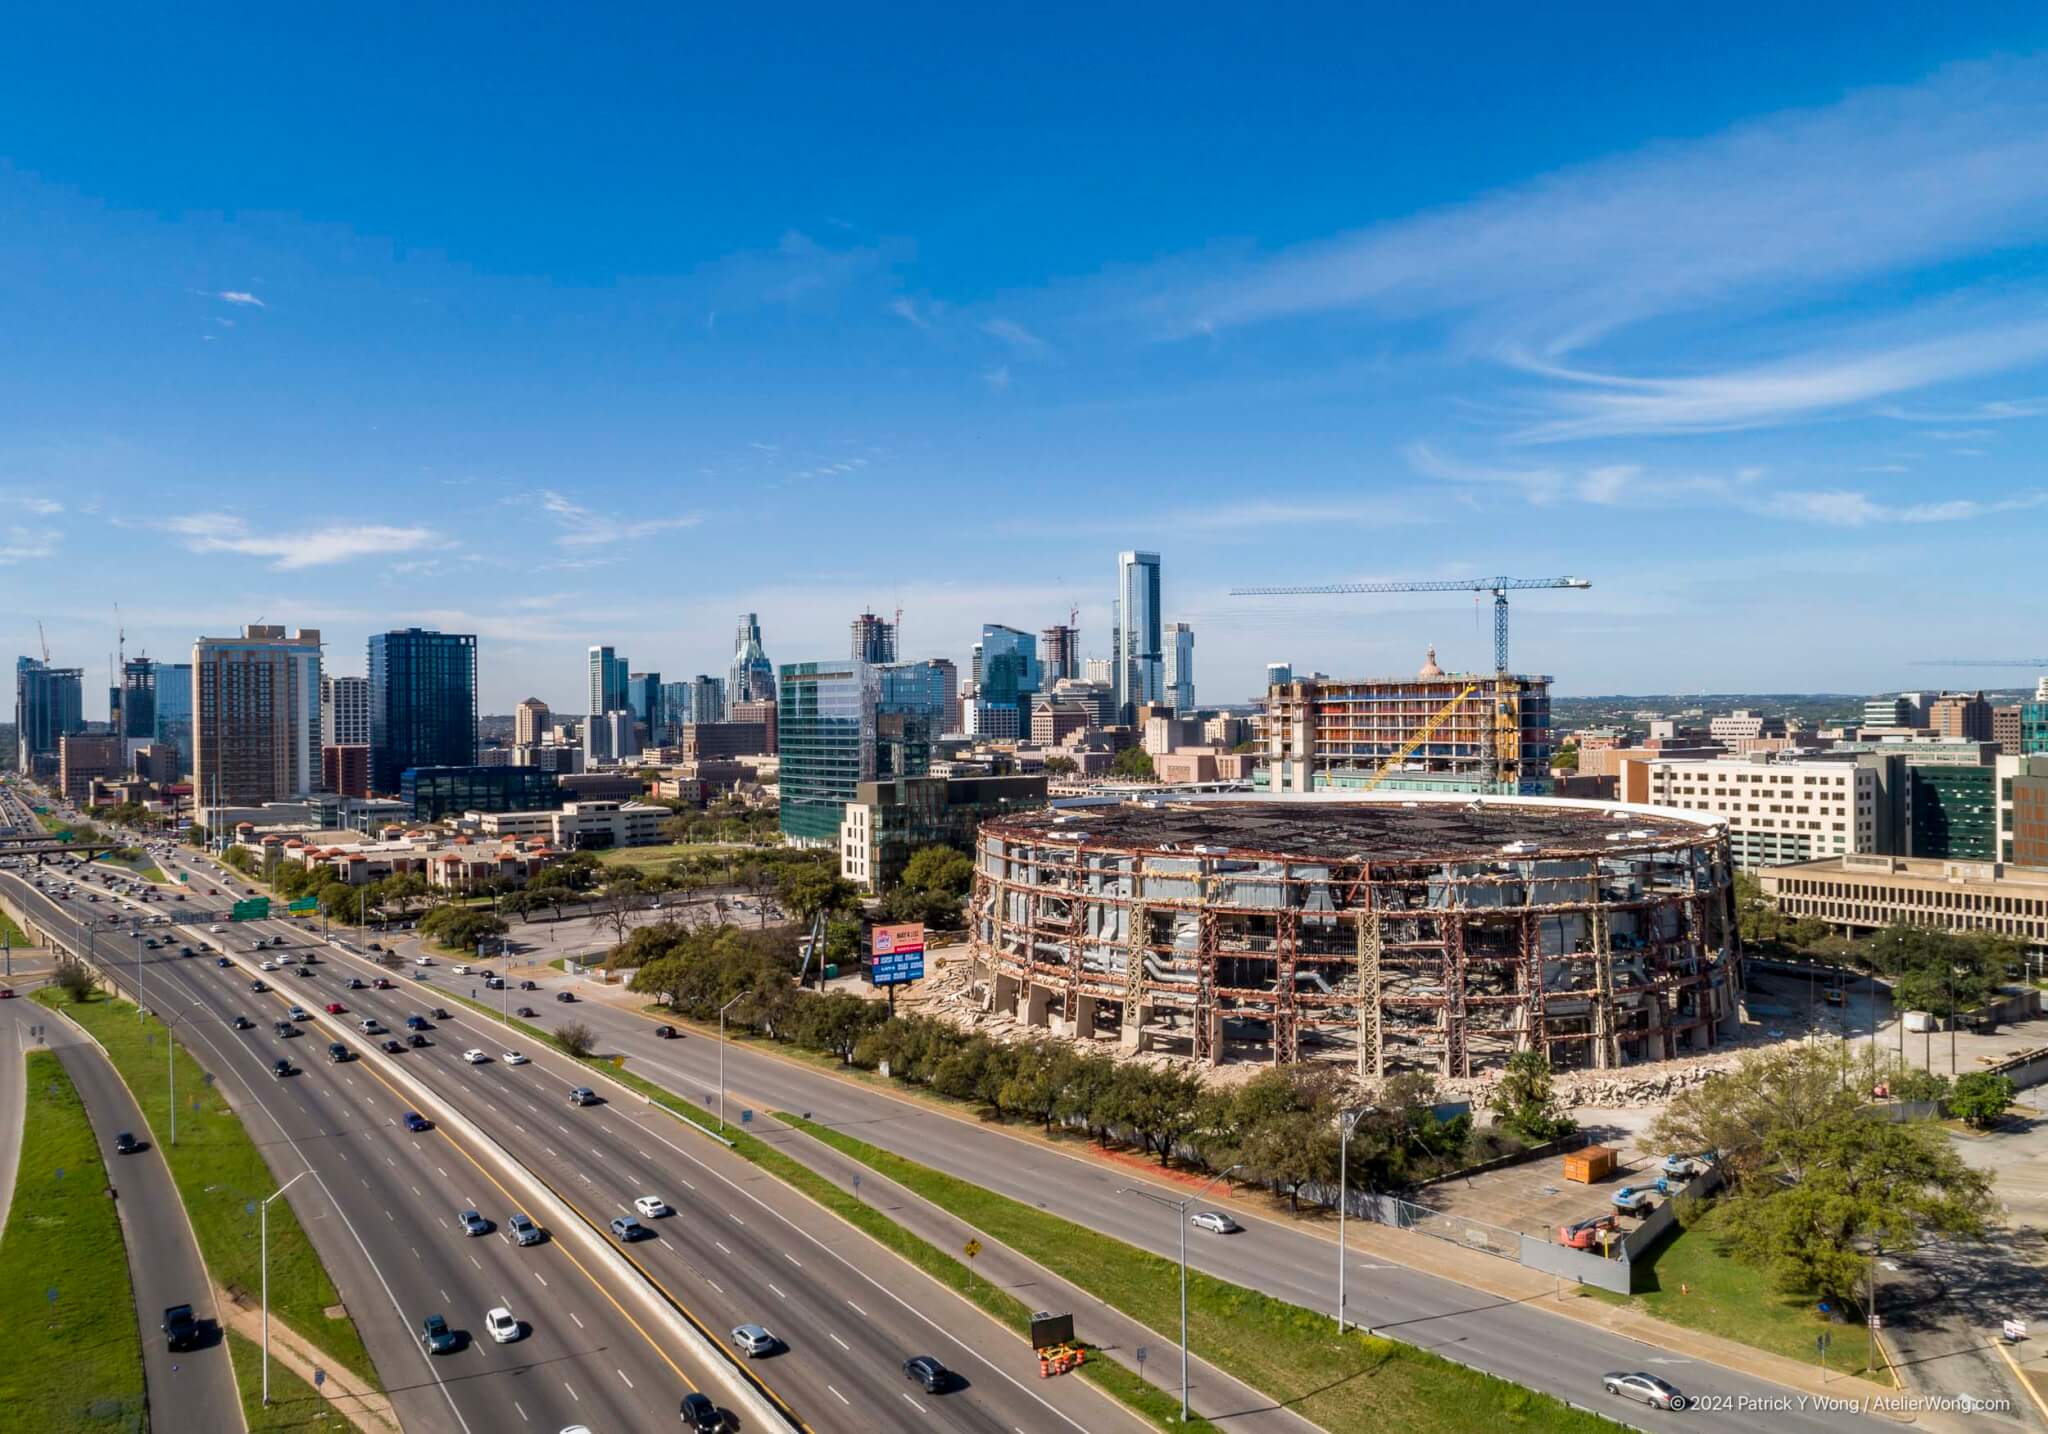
1134,763
74,979
1980,1098
460,928
1526,1101
1162,1108
1037,1080
576,1039
835,1023
1086,1095
807,890
1059,765
1740,1113
1289,1151
939,870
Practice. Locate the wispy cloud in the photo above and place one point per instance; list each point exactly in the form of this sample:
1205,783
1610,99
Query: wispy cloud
240,296
1020,339
300,548
2002,410
1849,509
34,503
1602,405
906,310
22,544
997,378
1885,179
587,528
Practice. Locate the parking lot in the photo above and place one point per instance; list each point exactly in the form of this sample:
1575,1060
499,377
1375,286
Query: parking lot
1535,1198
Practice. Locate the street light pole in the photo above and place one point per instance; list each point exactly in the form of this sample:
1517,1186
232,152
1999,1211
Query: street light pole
1180,1207
1349,1121
721,1056
135,935
263,1217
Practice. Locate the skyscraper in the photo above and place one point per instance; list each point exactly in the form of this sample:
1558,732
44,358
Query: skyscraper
174,712
49,703
1009,678
256,723
529,722
825,730
675,700
1138,667
752,678
1060,652
1180,668
344,711
874,639
643,700
608,674
422,703
707,699
138,700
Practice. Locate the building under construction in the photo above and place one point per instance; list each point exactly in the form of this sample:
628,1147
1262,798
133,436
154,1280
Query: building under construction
1436,731
1395,932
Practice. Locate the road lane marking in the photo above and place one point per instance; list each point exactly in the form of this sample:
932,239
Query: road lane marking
579,1323
840,1397
792,1259
622,1376
838,1341
778,1293
915,1405
856,1309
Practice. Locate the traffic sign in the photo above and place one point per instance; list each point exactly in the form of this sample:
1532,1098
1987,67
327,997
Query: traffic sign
256,908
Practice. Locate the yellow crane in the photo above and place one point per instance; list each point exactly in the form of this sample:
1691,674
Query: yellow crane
1422,735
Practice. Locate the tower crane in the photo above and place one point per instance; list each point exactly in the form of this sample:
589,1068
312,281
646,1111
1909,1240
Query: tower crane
2038,663
1503,735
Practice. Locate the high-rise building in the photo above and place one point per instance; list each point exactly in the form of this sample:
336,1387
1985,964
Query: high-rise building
752,678
874,639
1010,677
643,700
825,732
608,674
422,703
344,711
675,700
82,759
756,713
2034,727
49,704
174,713
1278,674
529,722
1180,667
2005,728
1961,715
256,723
1097,669
138,700
707,698
1138,663
609,737
1776,809
345,769
1060,652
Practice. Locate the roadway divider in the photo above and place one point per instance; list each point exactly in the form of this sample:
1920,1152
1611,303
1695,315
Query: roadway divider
759,1408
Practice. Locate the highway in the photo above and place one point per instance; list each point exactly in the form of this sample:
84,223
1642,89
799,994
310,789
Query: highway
742,1246
380,1206
191,1389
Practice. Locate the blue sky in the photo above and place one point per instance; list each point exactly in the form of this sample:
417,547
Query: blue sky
564,331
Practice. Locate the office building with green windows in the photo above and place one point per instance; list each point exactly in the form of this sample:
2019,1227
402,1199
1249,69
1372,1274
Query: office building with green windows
431,793
825,718
1952,812
422,703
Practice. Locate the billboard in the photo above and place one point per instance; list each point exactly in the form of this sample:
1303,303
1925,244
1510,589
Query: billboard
898,954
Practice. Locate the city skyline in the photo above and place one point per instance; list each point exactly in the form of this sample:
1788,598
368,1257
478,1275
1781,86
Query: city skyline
1750,340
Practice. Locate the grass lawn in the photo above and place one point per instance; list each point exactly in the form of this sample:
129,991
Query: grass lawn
15,935
1346,1383
1694,1279
75,1362
219,1171
661,856
294,1404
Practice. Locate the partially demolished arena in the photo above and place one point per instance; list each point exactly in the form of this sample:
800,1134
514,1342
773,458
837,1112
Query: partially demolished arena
1386,933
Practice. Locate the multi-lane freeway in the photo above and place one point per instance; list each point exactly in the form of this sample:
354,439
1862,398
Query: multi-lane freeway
739,1247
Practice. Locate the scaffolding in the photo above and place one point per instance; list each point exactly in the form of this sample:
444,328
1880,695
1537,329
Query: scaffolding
1385,935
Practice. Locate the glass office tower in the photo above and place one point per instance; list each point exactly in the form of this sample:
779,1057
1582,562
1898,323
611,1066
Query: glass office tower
422,703
825,732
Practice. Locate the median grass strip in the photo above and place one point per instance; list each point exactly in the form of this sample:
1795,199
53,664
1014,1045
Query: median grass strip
1344,1382
15,935
1695,1279
220,1175
294,1404
72,1357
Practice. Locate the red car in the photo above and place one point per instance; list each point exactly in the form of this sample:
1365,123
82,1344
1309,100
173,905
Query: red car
381,984
6,993
335,1008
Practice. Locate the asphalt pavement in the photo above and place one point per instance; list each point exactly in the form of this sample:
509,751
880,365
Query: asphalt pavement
190,1389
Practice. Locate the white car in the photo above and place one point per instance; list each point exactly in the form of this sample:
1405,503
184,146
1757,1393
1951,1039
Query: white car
462,970
269,966
216,930
1647,1387
515,1058
422,960
653,1207
504,1325
474,1057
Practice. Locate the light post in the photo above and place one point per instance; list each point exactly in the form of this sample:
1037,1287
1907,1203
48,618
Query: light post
721,1055
1180,1207
264,1221
1349,1122
135,935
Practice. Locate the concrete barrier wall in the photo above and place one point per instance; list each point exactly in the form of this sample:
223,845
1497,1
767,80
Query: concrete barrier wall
1646,1234
2024,1071
1586,1267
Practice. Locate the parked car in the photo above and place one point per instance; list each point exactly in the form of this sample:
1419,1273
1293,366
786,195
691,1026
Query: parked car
753,1340
1646,1387
927,1371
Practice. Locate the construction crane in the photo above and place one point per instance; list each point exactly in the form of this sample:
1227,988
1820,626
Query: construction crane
1423,735
2038,663
1503,734
1499,587
44,640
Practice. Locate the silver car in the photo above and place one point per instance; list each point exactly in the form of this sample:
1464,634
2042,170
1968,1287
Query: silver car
754,1339
1647,1387
524,1231
1214,1221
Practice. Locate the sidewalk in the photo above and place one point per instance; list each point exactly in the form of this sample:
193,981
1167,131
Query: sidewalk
1213,1395
366,1409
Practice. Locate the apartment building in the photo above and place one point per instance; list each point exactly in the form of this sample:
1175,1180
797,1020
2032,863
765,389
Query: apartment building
256,724
1777,811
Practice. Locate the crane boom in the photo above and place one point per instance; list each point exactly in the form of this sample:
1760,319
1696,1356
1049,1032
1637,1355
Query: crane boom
1427,585
2037,662
1422,735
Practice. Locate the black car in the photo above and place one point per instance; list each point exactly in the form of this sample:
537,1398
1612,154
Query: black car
337,1052
393,1048
187,951
126,1144
258,987
415,1122
355,983
934,1376
304,971
222,962
280,1067
527,1013
242,1023
565,996
286,1029
181,1329
440,1014
529,985
416,1040
667,1033
701,1415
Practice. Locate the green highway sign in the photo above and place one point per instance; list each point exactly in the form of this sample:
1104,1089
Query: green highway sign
256,908
304,903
